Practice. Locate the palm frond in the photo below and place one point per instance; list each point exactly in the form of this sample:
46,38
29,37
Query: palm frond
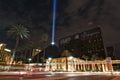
19,31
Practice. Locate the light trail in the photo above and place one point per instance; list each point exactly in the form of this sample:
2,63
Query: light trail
53,22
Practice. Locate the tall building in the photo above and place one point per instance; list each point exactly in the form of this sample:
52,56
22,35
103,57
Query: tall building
117,51
110,52
88,43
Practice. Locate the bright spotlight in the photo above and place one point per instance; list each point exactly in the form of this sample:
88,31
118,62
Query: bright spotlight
53,43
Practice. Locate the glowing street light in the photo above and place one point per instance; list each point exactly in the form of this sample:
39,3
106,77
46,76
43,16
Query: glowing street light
49,58
29,60
49,63
71,59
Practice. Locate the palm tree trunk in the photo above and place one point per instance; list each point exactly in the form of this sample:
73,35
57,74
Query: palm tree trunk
14,51
25,55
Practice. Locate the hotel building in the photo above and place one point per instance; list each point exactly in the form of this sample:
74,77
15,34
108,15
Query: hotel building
88,43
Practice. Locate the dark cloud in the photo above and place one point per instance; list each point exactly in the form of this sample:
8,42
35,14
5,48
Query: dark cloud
33,14
73,16
83,15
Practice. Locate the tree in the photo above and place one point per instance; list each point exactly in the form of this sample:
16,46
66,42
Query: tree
94,57
17,32
85,57
66,54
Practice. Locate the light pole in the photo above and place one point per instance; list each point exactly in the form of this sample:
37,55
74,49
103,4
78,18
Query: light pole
29,60
71,61
49,63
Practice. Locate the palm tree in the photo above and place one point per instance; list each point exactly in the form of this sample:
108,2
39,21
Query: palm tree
85,57
94,57
66,54
18,32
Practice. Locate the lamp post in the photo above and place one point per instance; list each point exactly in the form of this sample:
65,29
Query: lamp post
29,60
49,63
71,61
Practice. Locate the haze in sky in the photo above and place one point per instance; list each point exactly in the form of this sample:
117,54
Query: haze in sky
73,16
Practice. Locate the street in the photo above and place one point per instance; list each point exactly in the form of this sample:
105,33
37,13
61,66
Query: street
58,76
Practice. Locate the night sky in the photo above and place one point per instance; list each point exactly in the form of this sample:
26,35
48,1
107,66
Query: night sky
73,16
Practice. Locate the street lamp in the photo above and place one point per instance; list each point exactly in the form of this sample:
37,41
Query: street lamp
71,59
29,60
49,59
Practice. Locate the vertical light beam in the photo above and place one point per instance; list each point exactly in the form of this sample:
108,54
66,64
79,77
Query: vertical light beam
53,22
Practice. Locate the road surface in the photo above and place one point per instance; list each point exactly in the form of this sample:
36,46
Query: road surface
17,75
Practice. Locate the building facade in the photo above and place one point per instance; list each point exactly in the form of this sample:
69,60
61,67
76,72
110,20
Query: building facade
110,52
88,43
5,56
117,51
76,64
